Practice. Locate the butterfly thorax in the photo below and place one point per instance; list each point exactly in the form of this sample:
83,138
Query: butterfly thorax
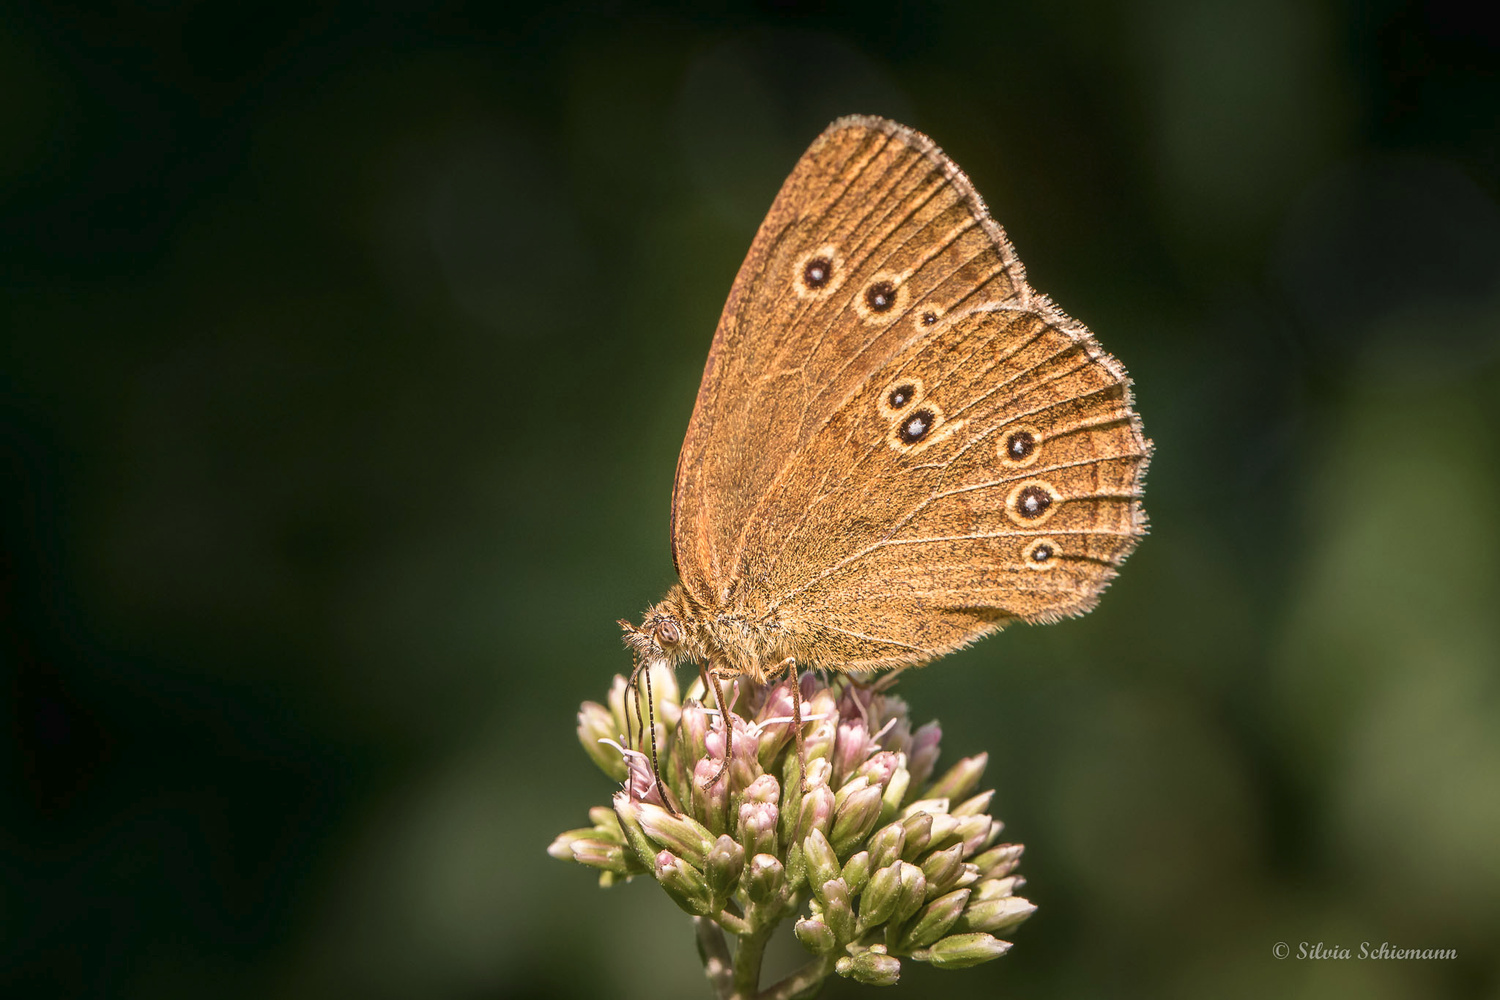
730,641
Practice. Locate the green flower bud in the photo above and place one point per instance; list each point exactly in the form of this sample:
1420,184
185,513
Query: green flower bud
692,732
935,807
942,869
595,723
680,834
879,899
815,812
880,768
677,771
666,699
618,693
857,872
562,847
796,867
837,913
913,893
848,788
894,793
819,772
960,951
764,877
996,888
972,832
602,854
726,859
995,916
819,743
886,845
961,779
976,806
794,784
822,863
918,835
744,766
823,701
943,835
870,967
764,789
710,801
934,919
999,861
815,936
791,798
684,883
606,825
628,812
775,735
854,821
758,825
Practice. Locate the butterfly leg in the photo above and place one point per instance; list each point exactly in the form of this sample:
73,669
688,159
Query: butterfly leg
662,788
711,682
789,665
647,720
632,685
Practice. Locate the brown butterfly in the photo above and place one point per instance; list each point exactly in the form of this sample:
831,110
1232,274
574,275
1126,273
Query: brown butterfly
898,446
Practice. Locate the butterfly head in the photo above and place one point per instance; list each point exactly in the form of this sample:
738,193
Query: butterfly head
665,632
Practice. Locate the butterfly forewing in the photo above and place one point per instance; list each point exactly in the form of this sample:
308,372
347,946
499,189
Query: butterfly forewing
870,200
898,445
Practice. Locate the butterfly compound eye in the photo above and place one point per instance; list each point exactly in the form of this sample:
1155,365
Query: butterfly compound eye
668,634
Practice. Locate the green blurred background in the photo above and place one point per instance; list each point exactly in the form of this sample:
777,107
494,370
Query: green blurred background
346,356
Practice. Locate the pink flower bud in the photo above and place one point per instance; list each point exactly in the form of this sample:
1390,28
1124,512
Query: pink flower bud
924,752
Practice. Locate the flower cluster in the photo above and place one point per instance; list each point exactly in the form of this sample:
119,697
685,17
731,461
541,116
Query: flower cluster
888,864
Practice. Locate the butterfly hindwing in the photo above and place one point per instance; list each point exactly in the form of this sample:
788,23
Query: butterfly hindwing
1018,500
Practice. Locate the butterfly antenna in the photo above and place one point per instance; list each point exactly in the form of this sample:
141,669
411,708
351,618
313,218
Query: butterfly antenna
651,722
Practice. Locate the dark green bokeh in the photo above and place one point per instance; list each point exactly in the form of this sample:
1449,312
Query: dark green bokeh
347,353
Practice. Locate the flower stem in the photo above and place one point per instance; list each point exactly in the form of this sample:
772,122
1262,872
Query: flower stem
738,926
804,978
747,962
715,954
